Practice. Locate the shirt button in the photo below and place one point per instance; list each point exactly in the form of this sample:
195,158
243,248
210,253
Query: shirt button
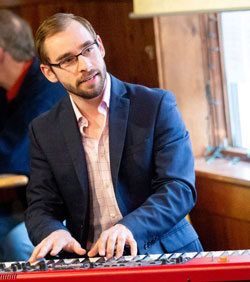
112,215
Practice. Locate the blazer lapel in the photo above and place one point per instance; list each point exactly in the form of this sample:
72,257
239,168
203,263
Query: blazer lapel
69,127
118,118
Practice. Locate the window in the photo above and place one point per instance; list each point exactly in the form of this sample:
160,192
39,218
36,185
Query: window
235,33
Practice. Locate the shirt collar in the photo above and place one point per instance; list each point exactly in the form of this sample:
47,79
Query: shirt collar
104,105
76,110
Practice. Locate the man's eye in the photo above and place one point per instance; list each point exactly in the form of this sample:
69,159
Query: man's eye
68,60
88,50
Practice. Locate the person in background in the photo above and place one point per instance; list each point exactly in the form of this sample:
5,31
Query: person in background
113,159
24,94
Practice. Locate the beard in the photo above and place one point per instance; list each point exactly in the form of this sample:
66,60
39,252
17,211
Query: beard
92,91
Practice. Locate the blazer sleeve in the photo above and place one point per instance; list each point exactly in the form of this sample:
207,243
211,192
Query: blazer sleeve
173,191
46,211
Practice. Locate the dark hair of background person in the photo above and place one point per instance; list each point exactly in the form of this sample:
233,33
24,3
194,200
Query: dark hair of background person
16,36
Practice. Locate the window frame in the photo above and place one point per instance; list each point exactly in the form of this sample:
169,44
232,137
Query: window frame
216,79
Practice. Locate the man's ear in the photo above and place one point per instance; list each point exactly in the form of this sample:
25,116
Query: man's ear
1,54
100,45
48,73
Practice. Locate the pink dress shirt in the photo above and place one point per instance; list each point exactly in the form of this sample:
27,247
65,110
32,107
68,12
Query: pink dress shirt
104,210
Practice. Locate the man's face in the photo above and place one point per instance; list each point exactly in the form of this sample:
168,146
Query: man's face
87,78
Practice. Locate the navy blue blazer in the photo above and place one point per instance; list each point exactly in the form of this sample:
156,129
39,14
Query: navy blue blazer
35,96
151,164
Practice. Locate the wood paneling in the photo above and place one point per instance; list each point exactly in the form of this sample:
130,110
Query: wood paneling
182,70
220,233
222,213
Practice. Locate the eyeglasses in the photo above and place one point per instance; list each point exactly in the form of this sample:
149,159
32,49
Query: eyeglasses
70,62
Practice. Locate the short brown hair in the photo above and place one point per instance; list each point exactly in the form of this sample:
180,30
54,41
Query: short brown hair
53,25
16,36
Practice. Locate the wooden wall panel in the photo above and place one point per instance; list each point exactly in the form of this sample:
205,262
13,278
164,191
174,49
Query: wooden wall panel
221,233
222,214
129,43
180,50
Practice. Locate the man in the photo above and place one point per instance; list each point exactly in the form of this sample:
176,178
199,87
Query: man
24,94
112,159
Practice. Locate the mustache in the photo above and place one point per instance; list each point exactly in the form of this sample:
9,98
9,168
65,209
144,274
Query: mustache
86,76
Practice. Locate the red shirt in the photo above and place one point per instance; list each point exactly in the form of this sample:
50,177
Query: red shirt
12,93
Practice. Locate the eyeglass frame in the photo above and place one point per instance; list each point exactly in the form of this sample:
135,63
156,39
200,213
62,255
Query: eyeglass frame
75,56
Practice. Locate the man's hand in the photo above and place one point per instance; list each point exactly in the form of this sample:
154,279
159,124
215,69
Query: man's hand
115,237
54,243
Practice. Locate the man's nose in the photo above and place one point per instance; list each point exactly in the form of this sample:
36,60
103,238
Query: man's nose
83,63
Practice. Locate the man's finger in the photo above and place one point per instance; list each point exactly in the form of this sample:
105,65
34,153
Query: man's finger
102,243
133,246
120,246
44,250
41,250
56,248
111,242
94,251
78,249
34,254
